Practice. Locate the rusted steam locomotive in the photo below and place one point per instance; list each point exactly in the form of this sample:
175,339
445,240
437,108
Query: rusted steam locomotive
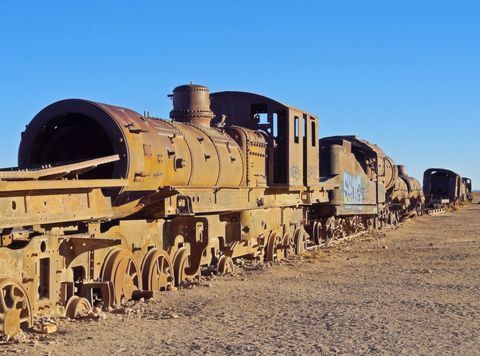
107,203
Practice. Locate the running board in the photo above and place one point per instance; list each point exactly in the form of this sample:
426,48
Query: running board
56,172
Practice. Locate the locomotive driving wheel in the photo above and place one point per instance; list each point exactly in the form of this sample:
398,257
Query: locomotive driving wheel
225,265
121,269
181,264
393,218
329,229
300,238
15,309
288,245
317,232
274,249
157,271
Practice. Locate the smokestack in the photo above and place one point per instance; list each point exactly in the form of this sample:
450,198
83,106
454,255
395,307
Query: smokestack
191,104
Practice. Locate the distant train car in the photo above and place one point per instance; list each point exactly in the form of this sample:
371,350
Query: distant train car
467,182
443,187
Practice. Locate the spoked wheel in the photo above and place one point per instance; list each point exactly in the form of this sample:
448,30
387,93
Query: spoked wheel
288,245
274,249
317,232
393,218
181,265
300,238
121,269
77,307
157,271
225,265
15,308
329,229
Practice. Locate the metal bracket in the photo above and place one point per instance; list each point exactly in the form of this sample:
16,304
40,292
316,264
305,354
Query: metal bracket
184,205
75,245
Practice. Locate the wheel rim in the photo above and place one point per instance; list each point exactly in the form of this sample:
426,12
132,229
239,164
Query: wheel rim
393,218
300,241
157,271
274,248
288,245
318,232
15,308
121,269
77,307
180,265
315,232
329,229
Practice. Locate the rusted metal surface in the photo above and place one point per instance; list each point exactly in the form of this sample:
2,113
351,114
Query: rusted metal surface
443,187
191,104
467,183
416,197
15,309
49,172
359,165
291,135
109,205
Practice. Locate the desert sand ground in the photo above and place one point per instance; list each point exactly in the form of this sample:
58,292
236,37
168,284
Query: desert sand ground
413,290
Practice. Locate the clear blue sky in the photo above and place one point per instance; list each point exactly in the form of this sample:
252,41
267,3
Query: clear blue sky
402,74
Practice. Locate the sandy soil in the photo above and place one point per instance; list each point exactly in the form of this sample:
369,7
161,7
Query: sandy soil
413,291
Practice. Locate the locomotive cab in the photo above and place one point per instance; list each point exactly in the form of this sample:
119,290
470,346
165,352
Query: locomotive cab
292,135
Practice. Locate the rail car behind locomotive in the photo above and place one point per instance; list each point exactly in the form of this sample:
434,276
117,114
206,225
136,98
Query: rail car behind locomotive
363,174
108,204
371,191
444,187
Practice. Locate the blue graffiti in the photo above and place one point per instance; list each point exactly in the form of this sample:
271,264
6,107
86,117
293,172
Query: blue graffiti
353,189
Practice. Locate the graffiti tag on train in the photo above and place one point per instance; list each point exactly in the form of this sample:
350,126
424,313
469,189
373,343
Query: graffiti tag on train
353,189
295,173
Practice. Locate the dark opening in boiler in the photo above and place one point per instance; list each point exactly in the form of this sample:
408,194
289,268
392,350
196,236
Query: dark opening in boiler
73,138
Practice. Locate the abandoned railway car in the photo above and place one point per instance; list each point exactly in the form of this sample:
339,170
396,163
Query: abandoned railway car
107,204
370,190
443,187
